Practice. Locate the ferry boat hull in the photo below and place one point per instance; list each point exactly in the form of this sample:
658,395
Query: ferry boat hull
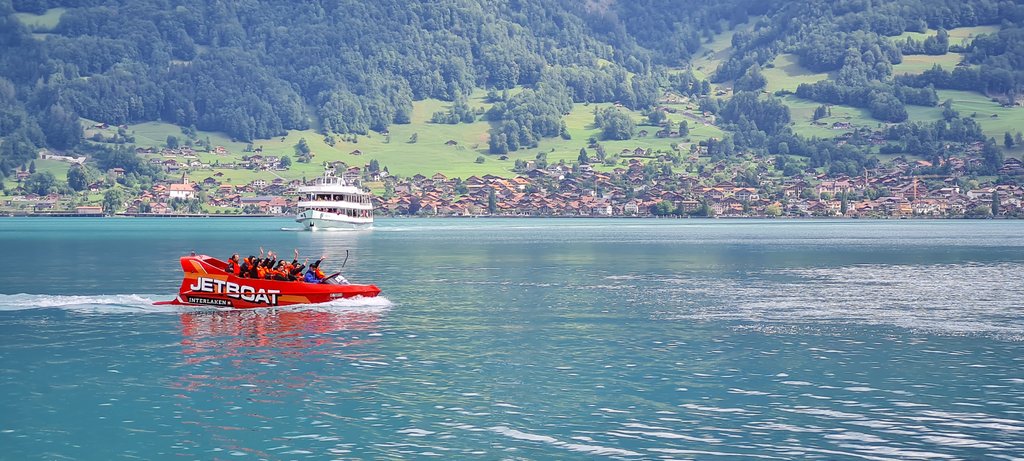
207,284
331,203
313,220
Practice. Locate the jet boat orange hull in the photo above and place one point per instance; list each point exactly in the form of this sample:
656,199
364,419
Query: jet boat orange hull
206,283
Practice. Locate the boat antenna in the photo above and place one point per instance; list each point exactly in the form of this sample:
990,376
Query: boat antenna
345,261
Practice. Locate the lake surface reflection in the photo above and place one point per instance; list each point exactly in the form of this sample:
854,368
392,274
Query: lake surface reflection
524,339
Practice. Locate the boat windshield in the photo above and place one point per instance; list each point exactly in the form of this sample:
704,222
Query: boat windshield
335,279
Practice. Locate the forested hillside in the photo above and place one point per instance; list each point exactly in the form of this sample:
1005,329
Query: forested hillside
255,69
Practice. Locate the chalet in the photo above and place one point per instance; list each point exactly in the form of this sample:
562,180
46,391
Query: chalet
258,184
356,152
451,142
352,174
276,205
745,194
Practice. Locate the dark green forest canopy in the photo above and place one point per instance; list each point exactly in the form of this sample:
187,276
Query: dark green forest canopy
257,68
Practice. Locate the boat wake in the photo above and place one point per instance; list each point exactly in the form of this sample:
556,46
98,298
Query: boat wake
143,303
324,229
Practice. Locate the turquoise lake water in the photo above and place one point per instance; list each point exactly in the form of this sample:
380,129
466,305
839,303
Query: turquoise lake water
522,339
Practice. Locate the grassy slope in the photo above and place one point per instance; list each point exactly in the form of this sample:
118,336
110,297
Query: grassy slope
956,36
59,170
788,74
713,54
918,63
429,154
41,22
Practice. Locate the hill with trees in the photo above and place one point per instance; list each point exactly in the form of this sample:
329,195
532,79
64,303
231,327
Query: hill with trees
259,69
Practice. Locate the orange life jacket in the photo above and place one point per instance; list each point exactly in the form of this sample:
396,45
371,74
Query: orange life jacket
261,272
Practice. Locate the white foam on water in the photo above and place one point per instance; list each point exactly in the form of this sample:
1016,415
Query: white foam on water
576,447
927,298
143,304
114,303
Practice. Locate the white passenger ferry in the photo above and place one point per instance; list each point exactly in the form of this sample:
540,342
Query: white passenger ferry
330,203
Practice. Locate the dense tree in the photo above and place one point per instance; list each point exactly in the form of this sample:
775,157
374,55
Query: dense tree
41,183
77,179
113,200
614,124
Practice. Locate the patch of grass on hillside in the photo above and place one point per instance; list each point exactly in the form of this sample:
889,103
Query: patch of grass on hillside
41,22
993,117
787,74
995,120
918,63
155,134
57,168
431,152
957,36
712,54
801,111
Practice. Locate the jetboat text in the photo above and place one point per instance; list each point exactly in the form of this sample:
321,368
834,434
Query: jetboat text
236,291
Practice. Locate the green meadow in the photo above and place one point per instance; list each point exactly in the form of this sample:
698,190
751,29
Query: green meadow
57,168
713,53
41,22
918,63
957,36
786,73
449,149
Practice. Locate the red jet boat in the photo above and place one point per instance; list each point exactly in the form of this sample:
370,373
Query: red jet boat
206,283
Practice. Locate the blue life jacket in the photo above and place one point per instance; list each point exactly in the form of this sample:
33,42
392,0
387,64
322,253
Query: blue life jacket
310,277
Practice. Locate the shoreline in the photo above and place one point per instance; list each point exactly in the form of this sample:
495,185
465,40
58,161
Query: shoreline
207,215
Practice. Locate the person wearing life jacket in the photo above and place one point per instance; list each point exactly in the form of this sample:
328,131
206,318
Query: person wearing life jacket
313,273
295,273
247,268
280,272
232,266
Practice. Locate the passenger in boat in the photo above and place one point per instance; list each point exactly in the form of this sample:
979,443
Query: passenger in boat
295,273
232,267
295,269
265,267
248,267
314,274
282,271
